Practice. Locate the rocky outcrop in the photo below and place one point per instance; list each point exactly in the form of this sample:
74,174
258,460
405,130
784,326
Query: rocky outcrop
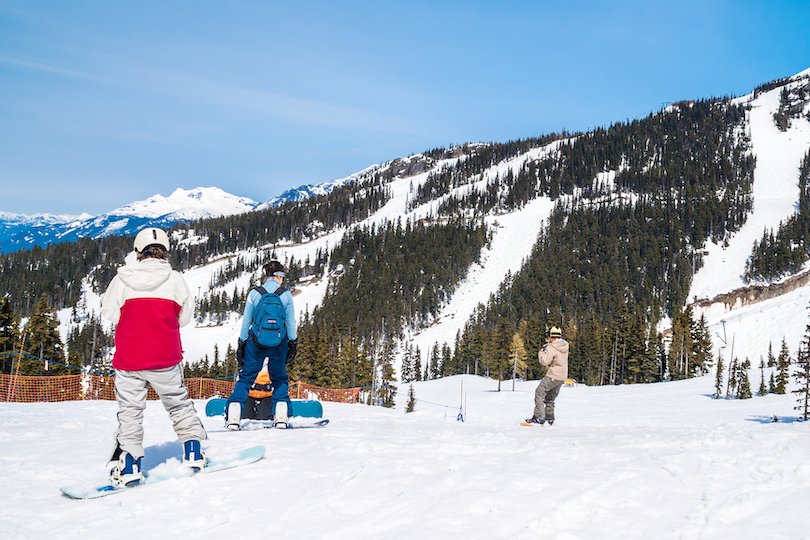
745,296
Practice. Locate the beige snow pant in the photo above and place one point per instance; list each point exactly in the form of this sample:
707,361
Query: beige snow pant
544,398
130,390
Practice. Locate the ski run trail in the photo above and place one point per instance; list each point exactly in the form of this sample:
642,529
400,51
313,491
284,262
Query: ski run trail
641,461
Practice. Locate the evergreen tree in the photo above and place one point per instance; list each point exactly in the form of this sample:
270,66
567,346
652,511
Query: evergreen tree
783,369
43,341
718,378
651,365
417,365
9,333
446,360
743,382
802,378
435,360
230,367
388,389
702,345
771,357
733,378
411,405
88,343
771,385
762,388
406,371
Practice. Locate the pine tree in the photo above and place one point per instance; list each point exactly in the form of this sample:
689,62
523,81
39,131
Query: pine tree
762,388
435,362
702,345
718,378
731,385
9,333
411,405
230,367
388,389
446,360
406,371
743,383
771,385
651,365
802,378
417,365
43,341
783,369
771,357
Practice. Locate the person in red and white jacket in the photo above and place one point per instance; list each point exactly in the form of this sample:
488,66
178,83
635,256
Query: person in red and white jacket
149,302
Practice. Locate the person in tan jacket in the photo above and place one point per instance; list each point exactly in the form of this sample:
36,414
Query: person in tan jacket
553,355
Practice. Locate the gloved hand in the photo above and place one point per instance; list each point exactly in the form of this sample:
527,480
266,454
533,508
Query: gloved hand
292,350
240,353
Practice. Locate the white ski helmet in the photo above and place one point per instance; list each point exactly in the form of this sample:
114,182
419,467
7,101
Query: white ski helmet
151,236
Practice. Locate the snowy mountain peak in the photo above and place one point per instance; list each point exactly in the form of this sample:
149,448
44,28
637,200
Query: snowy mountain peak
189,204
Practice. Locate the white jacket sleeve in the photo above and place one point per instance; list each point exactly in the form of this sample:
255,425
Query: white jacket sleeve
112,301
187,309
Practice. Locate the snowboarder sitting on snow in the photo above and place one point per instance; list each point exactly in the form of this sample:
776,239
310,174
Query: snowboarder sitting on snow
268,331
259,403
149,302
553,355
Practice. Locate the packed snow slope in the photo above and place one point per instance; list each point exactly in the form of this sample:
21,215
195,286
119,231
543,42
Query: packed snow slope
750,329
775,193
645,461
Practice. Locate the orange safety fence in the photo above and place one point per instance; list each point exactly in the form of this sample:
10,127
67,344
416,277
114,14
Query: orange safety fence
27,389
301,390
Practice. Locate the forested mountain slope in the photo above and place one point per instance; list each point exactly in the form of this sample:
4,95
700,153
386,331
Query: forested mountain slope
457,260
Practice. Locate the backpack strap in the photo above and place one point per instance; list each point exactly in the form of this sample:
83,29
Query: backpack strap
262,291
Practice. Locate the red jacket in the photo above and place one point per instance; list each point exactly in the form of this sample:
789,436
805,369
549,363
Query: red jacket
150,302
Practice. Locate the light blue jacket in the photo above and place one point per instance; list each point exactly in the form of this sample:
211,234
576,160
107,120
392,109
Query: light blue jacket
253,298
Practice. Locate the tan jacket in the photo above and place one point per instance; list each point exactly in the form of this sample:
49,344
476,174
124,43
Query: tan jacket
554,356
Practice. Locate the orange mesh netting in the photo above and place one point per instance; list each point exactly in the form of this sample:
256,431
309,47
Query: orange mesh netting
26,389
301,390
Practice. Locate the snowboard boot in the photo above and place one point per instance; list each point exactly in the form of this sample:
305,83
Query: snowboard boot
535,420
280,418
193,456
126,472
233,416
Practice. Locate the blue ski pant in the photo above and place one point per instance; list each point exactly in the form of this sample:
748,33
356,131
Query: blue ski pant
253,362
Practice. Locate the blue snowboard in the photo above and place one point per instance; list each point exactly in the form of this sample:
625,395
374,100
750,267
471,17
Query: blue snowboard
303,408
104,488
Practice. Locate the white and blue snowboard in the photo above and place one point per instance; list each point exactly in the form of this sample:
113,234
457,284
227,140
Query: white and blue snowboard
302,408
293,423
102,489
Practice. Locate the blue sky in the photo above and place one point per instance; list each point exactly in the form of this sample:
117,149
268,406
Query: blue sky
103,103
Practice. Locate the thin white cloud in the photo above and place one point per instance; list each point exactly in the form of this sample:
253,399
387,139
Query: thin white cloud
40,67
296,109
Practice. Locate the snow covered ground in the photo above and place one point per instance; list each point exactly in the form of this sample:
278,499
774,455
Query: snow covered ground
653,461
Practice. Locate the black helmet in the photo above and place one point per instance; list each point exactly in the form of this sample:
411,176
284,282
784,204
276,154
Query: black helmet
274,268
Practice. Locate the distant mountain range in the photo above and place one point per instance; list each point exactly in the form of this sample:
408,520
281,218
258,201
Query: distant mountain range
19,231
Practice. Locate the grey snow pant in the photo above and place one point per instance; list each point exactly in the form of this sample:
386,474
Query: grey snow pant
130,390
544,398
